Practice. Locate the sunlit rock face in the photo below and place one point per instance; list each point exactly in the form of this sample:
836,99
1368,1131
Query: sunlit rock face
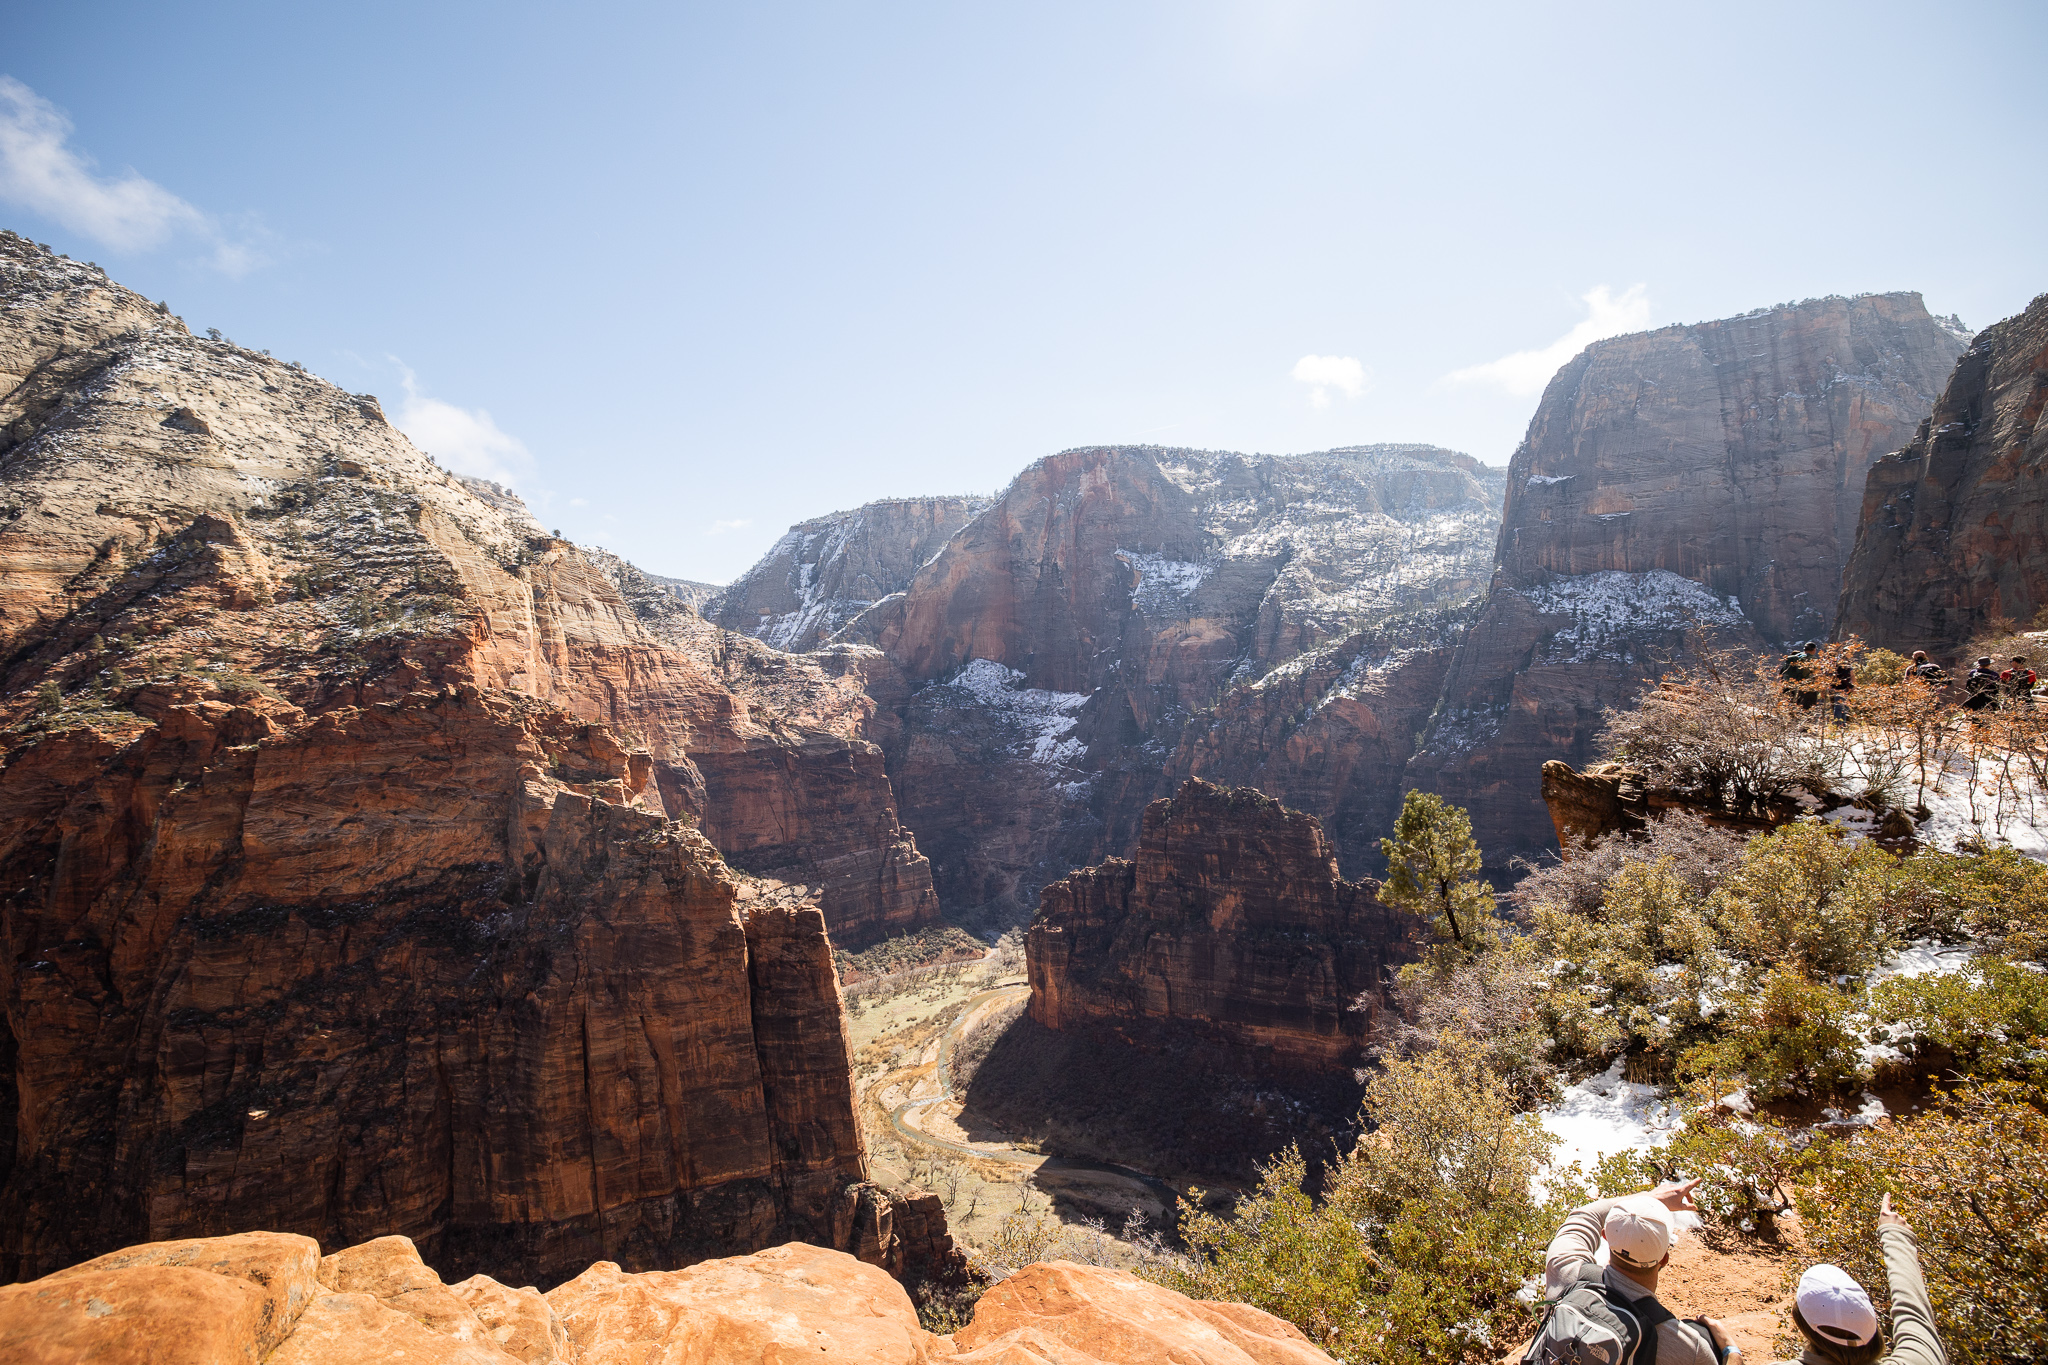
826,571
1059,653
1677,489
261,1296
1954,532
354,870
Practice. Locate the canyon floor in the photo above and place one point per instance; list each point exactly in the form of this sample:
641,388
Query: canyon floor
905,1031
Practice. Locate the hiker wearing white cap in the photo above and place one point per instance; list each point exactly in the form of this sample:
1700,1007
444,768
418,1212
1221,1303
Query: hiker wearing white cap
1639,1231
1840,1323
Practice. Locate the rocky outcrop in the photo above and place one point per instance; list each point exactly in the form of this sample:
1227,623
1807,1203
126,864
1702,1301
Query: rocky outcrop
794,780
826,571
1230,922
1070,639
347,882
1954,530
1678,489
274,1298
1330,733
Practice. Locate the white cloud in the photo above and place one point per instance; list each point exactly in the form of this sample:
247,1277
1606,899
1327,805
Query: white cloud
1322,373
125,212
463,439
719,528
1527,372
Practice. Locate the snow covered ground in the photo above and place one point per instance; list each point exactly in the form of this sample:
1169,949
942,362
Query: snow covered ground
1976,795
1605,1114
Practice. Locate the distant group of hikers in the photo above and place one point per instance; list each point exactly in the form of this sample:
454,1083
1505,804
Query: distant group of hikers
1987,687
1609,1314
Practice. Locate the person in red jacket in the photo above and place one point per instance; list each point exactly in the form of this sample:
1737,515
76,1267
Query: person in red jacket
2018,681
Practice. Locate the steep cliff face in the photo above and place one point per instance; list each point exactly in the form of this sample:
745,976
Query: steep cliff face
794,781
826,571
1731,453
338,885
1954,530
1682,488
1230,922
1056,650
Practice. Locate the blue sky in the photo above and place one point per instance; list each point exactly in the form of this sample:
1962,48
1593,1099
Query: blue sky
686,274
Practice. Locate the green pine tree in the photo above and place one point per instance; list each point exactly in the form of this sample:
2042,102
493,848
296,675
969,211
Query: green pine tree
1432,870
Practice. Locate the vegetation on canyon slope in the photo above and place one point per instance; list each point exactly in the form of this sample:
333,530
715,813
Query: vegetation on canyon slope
1762,979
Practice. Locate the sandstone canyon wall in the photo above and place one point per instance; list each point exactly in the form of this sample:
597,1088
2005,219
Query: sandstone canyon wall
1199,1006
826,571
1692,486
1230,920
1954,532
1054,656
347,883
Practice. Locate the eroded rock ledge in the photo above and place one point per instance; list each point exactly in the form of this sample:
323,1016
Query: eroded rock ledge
1231,921
272,1297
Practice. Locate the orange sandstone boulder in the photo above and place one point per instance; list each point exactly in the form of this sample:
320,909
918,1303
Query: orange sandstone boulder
270,1298
1064,1312
207,1300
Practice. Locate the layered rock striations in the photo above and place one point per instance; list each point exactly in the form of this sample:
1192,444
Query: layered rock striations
1954,531
1199,1006
1677,489
1055,653
1230,921
826,571
342,885
263,1296
794,778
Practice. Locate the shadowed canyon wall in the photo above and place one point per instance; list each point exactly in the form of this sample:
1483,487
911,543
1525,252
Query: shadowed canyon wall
1231,921
1954,531
1687,487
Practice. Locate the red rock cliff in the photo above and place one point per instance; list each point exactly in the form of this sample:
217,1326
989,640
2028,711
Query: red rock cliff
338,888
1230,922
1068,639
1955,526
1693,485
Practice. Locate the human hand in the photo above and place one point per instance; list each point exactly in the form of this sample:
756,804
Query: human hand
1676,1195
1887,1219
1722,1341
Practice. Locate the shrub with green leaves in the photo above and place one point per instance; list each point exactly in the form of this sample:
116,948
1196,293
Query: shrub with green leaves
1971,1180
1630,975
1790,1035
1989,1021
1424,1234
1805,896
1999,897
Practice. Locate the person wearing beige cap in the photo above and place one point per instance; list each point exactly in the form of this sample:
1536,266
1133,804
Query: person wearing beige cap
1639,1230
1841,1324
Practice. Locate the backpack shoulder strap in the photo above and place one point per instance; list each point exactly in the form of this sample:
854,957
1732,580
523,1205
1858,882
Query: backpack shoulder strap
1649,1315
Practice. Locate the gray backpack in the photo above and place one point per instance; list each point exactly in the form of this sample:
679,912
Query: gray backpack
1591,1324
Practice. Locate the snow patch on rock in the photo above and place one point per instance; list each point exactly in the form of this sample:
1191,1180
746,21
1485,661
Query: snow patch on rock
1164,585
1609,608
1045,719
